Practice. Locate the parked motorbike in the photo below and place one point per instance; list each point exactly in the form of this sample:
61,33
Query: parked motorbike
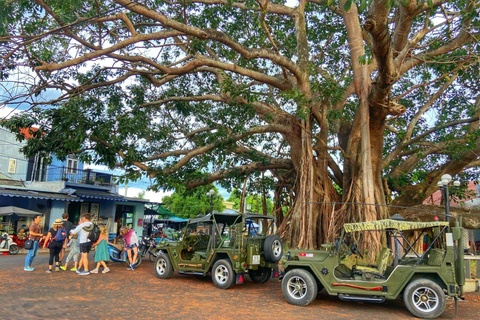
148,246
117,254
7,244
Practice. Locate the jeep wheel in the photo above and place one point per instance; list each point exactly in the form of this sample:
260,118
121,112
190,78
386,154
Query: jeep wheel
273,248
261,275
163,266
223,275
299,287
424,299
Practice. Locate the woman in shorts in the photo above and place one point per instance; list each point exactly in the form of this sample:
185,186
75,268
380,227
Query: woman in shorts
131,245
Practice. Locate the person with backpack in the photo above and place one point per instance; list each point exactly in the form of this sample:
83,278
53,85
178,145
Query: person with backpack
58,234
84,229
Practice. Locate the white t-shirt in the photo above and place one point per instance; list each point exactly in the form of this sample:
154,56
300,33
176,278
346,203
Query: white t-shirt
83,234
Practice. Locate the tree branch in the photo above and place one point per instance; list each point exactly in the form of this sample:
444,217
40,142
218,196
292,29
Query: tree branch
244,170
402,146
213,34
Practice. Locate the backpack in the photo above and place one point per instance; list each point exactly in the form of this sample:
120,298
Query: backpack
93,232
61,235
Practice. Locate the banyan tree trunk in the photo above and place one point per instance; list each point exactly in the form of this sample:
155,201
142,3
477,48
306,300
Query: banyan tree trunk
309,222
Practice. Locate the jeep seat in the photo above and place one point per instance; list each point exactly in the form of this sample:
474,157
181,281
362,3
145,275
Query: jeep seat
383,260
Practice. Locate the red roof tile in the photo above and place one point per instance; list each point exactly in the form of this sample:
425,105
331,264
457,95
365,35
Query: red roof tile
436,197
27,132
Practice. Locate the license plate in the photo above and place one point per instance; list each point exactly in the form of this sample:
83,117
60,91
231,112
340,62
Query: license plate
256,259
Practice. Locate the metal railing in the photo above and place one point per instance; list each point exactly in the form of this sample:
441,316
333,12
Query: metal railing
73,175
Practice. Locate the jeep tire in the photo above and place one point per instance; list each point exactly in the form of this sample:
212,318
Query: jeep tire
299,287
261,275
223,275
163,266
424,299
273,248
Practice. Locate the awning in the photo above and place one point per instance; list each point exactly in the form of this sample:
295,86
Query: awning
177,219
171,219
164,212
32,194
99,195
139,200
10,210
150,212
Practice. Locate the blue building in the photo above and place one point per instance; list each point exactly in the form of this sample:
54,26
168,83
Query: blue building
62,186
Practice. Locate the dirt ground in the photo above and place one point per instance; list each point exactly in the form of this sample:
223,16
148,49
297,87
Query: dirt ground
123,294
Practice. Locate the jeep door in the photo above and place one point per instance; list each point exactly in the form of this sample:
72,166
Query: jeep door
193,248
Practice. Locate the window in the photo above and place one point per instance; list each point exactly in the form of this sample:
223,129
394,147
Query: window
37,169
72,164
12,165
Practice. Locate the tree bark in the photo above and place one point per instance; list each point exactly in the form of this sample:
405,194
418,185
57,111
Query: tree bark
360,179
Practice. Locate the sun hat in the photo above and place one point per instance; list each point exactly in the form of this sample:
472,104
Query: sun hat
58,222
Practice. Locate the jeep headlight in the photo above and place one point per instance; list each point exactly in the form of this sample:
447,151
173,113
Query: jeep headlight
285,257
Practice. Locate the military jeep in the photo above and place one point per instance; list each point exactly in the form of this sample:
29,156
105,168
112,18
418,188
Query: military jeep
422,279
227,246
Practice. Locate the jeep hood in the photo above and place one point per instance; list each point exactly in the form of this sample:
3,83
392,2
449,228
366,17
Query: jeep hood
307,255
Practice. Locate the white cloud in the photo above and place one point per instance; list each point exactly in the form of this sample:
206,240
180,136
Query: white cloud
7,112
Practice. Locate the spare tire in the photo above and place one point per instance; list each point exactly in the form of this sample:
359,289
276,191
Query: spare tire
273,248
261,275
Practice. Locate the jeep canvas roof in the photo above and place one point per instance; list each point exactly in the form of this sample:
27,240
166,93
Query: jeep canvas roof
385,224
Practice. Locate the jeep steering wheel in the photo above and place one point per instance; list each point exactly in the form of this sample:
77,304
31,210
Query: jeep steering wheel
354,249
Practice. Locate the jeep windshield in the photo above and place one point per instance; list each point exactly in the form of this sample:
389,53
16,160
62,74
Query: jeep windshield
259,225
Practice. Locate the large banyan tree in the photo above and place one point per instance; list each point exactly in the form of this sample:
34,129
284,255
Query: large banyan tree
351,101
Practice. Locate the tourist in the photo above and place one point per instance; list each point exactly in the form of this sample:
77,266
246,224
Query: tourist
131,245
67,225
74,251
101,253
35,235
56,244
85,243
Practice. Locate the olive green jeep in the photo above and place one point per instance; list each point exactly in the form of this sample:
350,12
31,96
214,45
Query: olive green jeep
422,279
227,246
